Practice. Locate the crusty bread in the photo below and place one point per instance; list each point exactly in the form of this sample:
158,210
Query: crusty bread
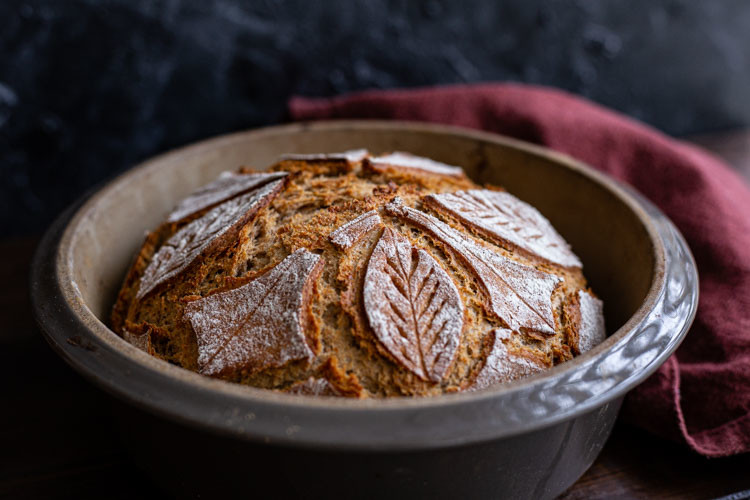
354,275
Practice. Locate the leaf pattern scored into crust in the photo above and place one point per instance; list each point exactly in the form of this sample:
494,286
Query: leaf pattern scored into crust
226,186
260,324
400,160
591,331
518,294
351,156
203,234
504,218
501,365
350,233
413,306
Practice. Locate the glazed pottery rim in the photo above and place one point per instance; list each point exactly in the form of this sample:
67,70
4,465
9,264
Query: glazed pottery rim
237,401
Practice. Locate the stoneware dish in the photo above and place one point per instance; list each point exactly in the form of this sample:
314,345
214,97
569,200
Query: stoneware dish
533,438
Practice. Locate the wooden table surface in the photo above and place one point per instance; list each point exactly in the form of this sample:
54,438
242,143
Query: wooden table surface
57,439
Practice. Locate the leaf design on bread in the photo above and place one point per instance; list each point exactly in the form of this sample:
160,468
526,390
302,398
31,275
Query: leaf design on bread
505,219
260,324
215,228
226,186
589,328
502,365
412,306
350,233
518,294
399,161
350,156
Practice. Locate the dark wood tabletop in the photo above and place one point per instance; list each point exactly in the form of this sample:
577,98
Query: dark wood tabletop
57,439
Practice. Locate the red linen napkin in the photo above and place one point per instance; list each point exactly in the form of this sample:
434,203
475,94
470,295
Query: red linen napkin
701,395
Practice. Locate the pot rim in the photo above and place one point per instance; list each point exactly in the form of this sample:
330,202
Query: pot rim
563,392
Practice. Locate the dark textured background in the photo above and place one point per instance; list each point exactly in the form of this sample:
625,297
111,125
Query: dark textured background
87,88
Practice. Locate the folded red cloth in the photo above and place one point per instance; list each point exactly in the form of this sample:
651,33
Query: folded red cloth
701,395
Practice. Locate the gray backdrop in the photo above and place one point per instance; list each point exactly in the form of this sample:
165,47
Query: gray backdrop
87,88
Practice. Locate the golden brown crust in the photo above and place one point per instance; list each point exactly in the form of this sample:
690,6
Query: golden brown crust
346,384
571,319
348,359
129,287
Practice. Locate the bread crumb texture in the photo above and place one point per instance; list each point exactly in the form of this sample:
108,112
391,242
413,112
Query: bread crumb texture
354,275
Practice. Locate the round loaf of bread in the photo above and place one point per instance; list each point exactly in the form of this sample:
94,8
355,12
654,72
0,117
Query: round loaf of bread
355,275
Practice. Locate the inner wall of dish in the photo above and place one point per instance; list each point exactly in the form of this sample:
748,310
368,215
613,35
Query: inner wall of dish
607,235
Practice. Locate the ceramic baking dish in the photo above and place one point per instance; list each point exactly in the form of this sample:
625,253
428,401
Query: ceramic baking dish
529,439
